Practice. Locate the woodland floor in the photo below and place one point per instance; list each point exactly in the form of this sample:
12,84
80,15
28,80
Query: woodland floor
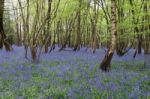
73,75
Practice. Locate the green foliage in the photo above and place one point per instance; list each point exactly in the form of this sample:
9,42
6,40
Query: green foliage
68,11
144,85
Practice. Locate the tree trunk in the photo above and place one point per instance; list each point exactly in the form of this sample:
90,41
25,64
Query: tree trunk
48,25
146,28
94,27
3,37
78,39
34,54
136,29
139,44
105,65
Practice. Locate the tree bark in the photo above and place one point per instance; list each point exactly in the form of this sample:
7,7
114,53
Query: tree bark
105,65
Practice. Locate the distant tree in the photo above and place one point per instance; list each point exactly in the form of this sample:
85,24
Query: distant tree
136,29
3,37
106,62
146,28
94,20
123,43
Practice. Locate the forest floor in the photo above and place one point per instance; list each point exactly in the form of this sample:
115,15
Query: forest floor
73,75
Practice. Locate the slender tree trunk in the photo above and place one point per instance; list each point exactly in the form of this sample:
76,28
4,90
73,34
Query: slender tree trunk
136,29
3,37
139,44
18,38
146,28
94,26
105,65
78,39
48,26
